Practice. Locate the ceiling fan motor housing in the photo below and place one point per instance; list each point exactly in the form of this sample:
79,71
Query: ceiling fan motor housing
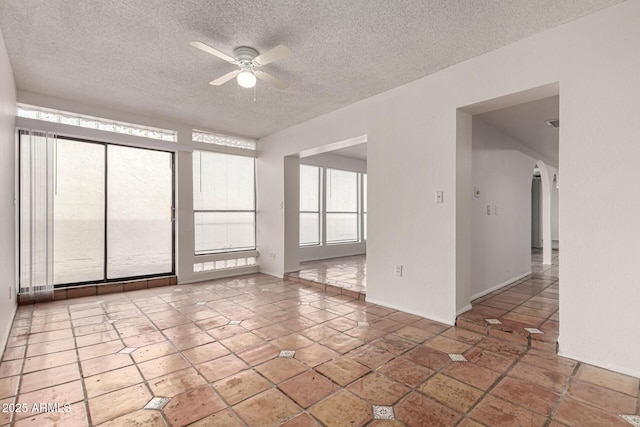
244,53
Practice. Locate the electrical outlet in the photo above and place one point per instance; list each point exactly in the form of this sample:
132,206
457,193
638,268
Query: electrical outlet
399,270
439,196
488,209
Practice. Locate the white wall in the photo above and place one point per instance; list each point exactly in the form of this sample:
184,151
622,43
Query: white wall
501,236
7,199
331,251
416,145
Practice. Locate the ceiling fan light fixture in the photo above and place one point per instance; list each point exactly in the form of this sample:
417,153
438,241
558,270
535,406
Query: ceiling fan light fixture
246,79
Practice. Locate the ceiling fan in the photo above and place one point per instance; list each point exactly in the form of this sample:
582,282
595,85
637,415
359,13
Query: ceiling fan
249,63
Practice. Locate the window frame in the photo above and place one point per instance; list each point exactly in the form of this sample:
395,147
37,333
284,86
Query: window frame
253,211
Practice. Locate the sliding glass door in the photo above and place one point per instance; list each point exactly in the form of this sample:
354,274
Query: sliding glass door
110,214
139,212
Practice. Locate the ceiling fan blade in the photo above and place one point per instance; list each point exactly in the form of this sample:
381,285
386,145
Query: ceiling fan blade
203,47
225,78
271,80
278,52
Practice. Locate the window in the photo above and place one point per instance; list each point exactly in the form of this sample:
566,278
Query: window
80,120
92,211
309,205
226,140
342,206
333,206
223,202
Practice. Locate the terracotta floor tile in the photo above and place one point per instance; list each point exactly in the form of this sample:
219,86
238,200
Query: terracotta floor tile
5,416
153,351
49,377
534,375
10,367
447,345
221,367
14,353
75,417
420,410
176,383
92,329
298,323
315,354
341,343
406,372
302,420
371,356
9,386
489,359
99,337
226,331
463,335
50,336
341,324
192,406
204,353
62,393
272,332
193,340
241,386
308,388
102,364
181,330
224,418
468,422
144,339
50,347
292,341
111,381
318,332
575,413
394,344
281,368
377,389
101,349
269,408
52,360
142,417
366,333
162,365
452,393
241,342
342,409
259,354
429,357
604,398
342,370
605,378
496,412
472,374
524,394
550,362
502,348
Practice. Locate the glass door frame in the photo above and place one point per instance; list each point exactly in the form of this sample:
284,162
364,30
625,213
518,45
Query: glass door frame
105,280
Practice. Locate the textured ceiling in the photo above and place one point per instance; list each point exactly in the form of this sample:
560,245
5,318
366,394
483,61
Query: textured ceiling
134,55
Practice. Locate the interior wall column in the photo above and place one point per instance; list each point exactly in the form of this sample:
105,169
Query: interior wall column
547,243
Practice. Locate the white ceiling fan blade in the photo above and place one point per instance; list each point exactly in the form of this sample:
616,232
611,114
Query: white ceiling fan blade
274,54
225,78
203,47
271,80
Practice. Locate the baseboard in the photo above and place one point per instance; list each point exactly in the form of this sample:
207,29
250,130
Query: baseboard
464,309
5,334
499,285
406,310
610,367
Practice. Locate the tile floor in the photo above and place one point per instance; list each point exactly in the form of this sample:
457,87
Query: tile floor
208,354
343,272
524,312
